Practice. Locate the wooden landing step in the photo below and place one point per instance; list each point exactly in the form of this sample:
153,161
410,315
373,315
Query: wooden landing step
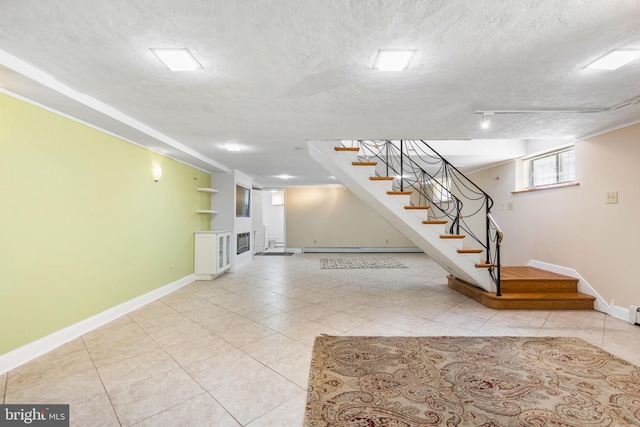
528,288
347,148
381,178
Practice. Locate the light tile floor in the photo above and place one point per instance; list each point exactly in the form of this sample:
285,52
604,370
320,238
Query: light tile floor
236,351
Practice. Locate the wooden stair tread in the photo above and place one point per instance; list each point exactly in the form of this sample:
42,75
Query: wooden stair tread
347,148
399,193
434,221
524,279
452,236
529,273
411,207
364,163
381,178
470,251
485,265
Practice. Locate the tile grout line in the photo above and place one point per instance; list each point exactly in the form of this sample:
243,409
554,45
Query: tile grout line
84,344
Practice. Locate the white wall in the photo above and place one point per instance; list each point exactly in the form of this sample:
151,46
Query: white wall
573,227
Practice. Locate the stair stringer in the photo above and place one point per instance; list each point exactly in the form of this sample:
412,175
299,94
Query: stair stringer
391,208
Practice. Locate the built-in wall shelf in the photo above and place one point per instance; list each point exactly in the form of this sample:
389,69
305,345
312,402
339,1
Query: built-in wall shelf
210,191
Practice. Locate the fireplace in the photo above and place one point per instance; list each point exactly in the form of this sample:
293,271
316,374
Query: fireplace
242,243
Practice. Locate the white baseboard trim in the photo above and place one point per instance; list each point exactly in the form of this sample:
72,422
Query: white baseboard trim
319,249
619,312
22,355
600,304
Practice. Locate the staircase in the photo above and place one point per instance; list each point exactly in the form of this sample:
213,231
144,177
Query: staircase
398,182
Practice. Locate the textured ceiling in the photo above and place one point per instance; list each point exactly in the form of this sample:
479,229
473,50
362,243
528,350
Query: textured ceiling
280,72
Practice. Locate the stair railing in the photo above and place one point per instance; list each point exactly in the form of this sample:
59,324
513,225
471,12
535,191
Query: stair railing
440,185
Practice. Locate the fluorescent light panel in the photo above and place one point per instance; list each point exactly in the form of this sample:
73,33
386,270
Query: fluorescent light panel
178,59
615,59
393,60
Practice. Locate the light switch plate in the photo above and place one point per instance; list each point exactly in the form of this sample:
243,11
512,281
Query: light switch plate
611,197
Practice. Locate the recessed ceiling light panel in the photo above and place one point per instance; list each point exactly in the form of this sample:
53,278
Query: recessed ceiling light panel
393,60
615,59
178,59
232,146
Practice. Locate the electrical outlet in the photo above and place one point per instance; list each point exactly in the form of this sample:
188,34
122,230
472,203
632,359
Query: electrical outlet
611,197
501,206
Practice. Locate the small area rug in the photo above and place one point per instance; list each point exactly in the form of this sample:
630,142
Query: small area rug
469,381
360,263
273,254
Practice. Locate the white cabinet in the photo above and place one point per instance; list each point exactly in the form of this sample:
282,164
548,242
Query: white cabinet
212,254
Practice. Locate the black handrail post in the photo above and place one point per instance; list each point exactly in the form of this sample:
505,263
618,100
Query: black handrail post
498,268
386,146
488,228
401,165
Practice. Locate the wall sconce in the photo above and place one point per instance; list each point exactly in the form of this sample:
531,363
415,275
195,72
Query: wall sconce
157,173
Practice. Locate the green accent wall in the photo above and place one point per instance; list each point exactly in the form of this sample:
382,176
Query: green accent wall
83,225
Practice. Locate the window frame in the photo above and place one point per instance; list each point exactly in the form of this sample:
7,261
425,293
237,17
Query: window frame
556,154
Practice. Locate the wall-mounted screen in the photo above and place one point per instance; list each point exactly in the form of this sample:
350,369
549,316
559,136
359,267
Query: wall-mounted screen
243,199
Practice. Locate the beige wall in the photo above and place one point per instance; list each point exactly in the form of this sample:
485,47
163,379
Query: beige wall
335,217
573,227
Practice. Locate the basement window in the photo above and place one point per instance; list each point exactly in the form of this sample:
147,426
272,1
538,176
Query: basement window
554,168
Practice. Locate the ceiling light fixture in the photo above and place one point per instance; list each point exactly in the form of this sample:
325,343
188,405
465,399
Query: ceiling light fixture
177,59
485,123
393,60
284,176
615,59
232,146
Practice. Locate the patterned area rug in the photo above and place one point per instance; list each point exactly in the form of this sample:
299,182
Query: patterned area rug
469,381
360,263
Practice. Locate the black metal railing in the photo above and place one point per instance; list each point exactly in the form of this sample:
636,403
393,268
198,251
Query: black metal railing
436,183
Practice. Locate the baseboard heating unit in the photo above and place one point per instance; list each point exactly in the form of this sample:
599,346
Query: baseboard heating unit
634,315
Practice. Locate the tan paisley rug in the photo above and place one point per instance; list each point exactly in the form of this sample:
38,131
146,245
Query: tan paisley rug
469,381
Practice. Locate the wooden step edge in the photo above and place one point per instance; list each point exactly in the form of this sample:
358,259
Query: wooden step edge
485,265
470,251
381,178
411,207
543,296
364,163
452,236
347,148
434,221
399,193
